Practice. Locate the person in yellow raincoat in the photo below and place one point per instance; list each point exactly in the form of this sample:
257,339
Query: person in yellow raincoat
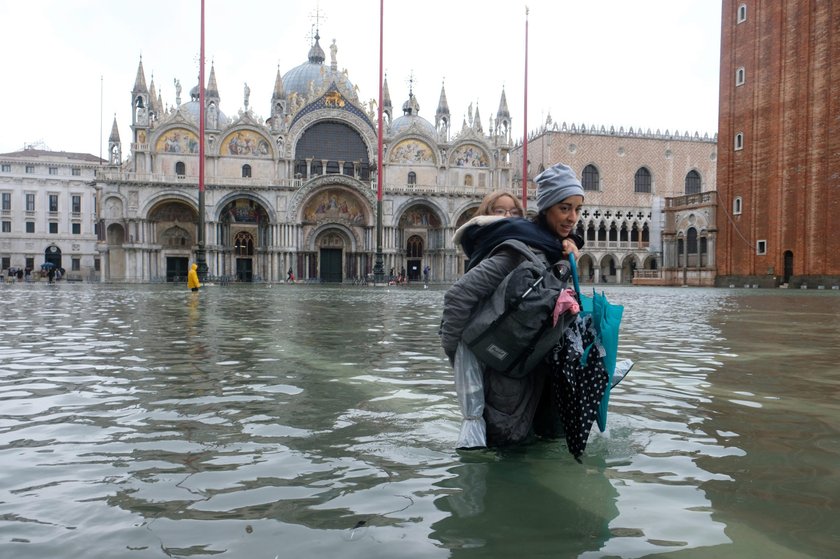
192,278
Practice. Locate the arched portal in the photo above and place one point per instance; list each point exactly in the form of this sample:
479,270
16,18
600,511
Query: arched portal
52,257
176,227
414,256
335,221
244,232
331,245
243,251
421,230
788,256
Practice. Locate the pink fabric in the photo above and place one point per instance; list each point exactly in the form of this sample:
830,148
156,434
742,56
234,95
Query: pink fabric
565,301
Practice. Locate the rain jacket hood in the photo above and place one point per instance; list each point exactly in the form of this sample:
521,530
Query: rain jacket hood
192,277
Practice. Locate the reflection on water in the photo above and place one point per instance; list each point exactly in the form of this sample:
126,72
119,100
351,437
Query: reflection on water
255,421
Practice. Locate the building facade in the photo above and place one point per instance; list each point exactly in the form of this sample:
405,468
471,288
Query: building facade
779,162
48,213
637,222
295,190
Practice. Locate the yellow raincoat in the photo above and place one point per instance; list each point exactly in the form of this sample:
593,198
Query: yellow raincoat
192,278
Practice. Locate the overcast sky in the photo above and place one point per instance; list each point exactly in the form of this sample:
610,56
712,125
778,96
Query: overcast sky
69,66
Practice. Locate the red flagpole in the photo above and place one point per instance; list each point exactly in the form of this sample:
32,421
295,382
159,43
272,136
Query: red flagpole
525,121
200,256
379,264
201,107
379,135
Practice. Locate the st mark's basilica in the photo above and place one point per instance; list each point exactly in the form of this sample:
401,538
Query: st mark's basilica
296,190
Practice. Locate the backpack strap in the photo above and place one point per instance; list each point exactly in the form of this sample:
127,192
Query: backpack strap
521,248
529,254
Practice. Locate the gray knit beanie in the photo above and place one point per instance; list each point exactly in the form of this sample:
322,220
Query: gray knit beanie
554,185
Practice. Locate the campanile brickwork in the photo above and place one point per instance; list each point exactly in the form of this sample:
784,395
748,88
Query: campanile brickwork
779,143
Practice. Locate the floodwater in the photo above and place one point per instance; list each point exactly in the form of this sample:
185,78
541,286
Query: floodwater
306,421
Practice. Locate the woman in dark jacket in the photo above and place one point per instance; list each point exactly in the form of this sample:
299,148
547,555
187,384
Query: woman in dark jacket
514,408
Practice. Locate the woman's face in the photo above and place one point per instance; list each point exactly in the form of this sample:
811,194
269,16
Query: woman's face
505,206
562,217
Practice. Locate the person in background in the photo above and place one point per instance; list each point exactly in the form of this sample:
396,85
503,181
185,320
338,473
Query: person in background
501,204
192,278
515,408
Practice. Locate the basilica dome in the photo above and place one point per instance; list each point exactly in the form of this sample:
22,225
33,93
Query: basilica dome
191,108
211,98
411,118
313,70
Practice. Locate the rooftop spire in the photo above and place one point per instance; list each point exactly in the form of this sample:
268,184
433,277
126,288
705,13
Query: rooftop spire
140,81
443,105
316,53
212,89
115,133
279,91
411,107
386,95
503,111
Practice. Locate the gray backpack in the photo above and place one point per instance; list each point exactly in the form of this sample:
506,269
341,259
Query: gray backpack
512,331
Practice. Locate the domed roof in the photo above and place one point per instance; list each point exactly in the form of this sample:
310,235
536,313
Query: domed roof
411,117
313,70
191,108
405,122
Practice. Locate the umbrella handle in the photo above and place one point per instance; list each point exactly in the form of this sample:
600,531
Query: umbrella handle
573,266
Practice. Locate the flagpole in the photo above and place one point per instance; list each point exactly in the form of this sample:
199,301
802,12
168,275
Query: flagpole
525,122
379,266
200,255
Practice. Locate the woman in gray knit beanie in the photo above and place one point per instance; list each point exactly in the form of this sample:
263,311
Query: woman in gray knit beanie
559,201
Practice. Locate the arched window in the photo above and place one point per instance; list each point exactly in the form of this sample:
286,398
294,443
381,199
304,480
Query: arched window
739,141
742,13
246,171
622,235
613,232
333,168
317,168
468,180
590,232
180,169
243,244
691,240
590,179
737,205
740,76
643,181
602,232
692,183
412,177
414,247
348,168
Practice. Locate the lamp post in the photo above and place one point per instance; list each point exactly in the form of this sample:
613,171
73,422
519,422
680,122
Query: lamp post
200,253
379,266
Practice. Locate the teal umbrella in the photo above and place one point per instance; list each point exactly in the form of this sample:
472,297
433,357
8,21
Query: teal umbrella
606,319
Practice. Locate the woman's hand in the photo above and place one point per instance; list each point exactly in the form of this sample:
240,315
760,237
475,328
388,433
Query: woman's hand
569,247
